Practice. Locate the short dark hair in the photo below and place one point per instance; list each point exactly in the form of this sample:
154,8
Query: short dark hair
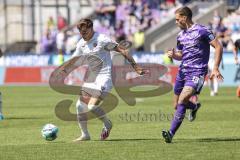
184,11
85,21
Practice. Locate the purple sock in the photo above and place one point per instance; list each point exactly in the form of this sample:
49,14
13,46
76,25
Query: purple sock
191,105
178,118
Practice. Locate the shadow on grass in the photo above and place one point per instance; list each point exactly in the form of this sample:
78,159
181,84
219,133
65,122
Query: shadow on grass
223,139
134,139
55,142
21,118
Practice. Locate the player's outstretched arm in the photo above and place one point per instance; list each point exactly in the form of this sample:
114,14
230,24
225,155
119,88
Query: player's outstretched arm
130,59
217,59
65,67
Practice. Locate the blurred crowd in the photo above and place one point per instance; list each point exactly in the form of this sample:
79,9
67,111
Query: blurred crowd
121,20
227,29
128,20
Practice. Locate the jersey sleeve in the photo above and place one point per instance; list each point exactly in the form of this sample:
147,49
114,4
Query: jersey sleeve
207,34
106,42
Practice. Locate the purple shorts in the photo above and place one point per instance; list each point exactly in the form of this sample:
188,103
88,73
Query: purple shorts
193,79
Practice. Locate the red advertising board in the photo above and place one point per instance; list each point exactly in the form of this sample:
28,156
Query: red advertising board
22,75
40,75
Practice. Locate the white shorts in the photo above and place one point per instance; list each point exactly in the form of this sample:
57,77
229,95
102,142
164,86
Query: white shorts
102,85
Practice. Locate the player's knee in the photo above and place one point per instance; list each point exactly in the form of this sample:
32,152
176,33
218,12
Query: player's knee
81,111
81,107
179,117
183,100
185,95
91,106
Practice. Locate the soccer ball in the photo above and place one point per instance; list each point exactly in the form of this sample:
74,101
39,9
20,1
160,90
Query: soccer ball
49,132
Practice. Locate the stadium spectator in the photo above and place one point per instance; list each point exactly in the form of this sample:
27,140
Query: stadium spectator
72,38
184,2
61,22
60,41
138,40
223,34
106,11
48,44
123,10
50,23
120,35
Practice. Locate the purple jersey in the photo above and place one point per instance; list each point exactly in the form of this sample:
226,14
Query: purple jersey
195,47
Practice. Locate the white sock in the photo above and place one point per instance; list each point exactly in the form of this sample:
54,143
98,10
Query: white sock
215,84
82,117
100,113
211,86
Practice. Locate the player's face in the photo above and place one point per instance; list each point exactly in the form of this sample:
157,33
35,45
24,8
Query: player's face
86,32
181,21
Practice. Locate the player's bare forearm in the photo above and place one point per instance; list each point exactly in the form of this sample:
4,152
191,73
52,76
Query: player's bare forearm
130,59
127,56
65,67
218,52
217,59
218,56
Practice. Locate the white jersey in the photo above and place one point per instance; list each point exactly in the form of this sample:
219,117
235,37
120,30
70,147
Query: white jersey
95,53
95,47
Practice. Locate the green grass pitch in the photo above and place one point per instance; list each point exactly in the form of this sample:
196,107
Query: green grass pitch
215,134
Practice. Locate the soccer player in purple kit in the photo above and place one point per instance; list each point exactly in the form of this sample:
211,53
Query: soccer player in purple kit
193,49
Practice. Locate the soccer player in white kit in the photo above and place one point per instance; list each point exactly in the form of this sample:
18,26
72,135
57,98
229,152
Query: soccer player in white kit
95,45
